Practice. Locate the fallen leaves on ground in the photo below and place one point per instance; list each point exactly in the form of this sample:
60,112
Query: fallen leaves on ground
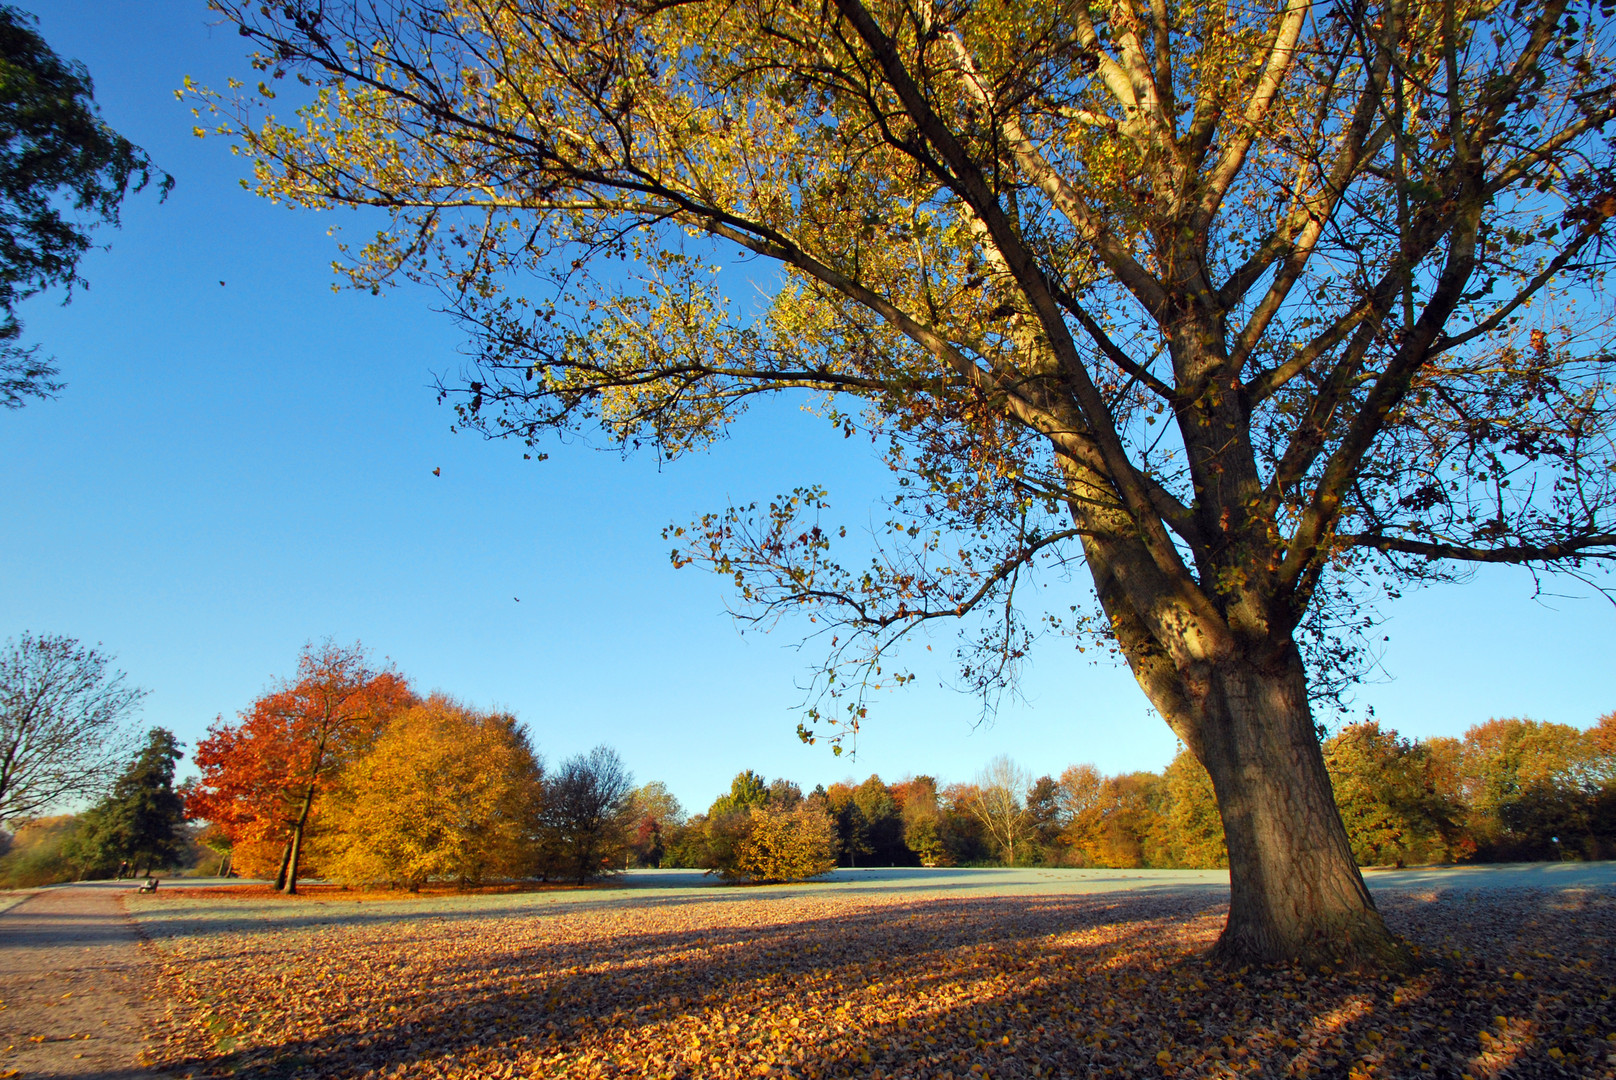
798,985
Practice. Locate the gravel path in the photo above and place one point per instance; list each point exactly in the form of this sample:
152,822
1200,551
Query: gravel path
72,972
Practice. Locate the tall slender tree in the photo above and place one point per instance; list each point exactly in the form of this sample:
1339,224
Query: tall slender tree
1250,308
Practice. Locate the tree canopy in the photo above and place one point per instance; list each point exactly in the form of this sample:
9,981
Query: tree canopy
139,821
264,778
63,171
1254,310
63,723
444,792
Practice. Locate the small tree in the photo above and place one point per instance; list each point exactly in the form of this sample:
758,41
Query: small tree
62,720
62,171
786,844
139,823
586,813
656,815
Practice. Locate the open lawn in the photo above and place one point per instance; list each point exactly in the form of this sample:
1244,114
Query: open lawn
917,973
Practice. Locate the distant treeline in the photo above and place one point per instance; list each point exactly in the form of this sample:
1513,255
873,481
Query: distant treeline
345,773
1509,790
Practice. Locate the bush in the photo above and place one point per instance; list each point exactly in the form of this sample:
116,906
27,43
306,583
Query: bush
40,853
784,845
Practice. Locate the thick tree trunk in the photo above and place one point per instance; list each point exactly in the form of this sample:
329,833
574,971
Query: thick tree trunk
1295,892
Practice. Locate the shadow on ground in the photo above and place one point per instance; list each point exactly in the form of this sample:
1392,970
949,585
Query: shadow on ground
1008,987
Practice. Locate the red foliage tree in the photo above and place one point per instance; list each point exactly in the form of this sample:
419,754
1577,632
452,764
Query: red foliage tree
262,777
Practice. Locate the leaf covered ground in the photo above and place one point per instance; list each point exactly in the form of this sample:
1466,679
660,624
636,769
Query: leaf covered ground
752,982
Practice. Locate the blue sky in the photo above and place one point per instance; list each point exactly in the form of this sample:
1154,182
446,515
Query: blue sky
237,468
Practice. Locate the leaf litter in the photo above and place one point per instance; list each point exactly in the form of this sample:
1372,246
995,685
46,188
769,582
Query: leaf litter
752,983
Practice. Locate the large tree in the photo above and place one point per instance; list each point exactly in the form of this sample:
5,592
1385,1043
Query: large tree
263,778
64,715
63,171
1252,309
444,792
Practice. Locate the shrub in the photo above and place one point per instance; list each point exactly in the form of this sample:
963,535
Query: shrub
785,845
40,853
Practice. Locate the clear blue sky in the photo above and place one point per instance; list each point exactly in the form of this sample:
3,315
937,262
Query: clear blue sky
236,469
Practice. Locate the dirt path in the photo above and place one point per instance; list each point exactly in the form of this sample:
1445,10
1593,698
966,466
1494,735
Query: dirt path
71,970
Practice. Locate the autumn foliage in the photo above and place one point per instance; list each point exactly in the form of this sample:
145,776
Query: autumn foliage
786,844
344,773
444,792
264,779
1505,791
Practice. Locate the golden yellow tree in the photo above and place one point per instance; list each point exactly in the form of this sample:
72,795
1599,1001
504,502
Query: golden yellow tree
1245,307
786,844
445,793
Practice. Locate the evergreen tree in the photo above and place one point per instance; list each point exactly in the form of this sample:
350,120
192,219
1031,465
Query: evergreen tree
139,822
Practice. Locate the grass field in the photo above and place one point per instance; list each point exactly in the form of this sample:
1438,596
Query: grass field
873,980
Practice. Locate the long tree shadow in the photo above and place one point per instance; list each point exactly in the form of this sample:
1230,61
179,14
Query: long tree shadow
1035,986
386,910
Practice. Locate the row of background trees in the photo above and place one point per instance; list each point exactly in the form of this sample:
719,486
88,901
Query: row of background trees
344,772
1509,789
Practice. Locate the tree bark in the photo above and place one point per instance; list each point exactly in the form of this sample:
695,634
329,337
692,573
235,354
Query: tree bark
286,861
1295,892
294,852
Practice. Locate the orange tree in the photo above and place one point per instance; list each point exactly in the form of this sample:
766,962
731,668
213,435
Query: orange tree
262,777
1252,309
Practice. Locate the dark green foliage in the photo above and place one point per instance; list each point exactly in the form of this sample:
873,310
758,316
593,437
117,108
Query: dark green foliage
1043,812
883,825
56,155
139,823
852,827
